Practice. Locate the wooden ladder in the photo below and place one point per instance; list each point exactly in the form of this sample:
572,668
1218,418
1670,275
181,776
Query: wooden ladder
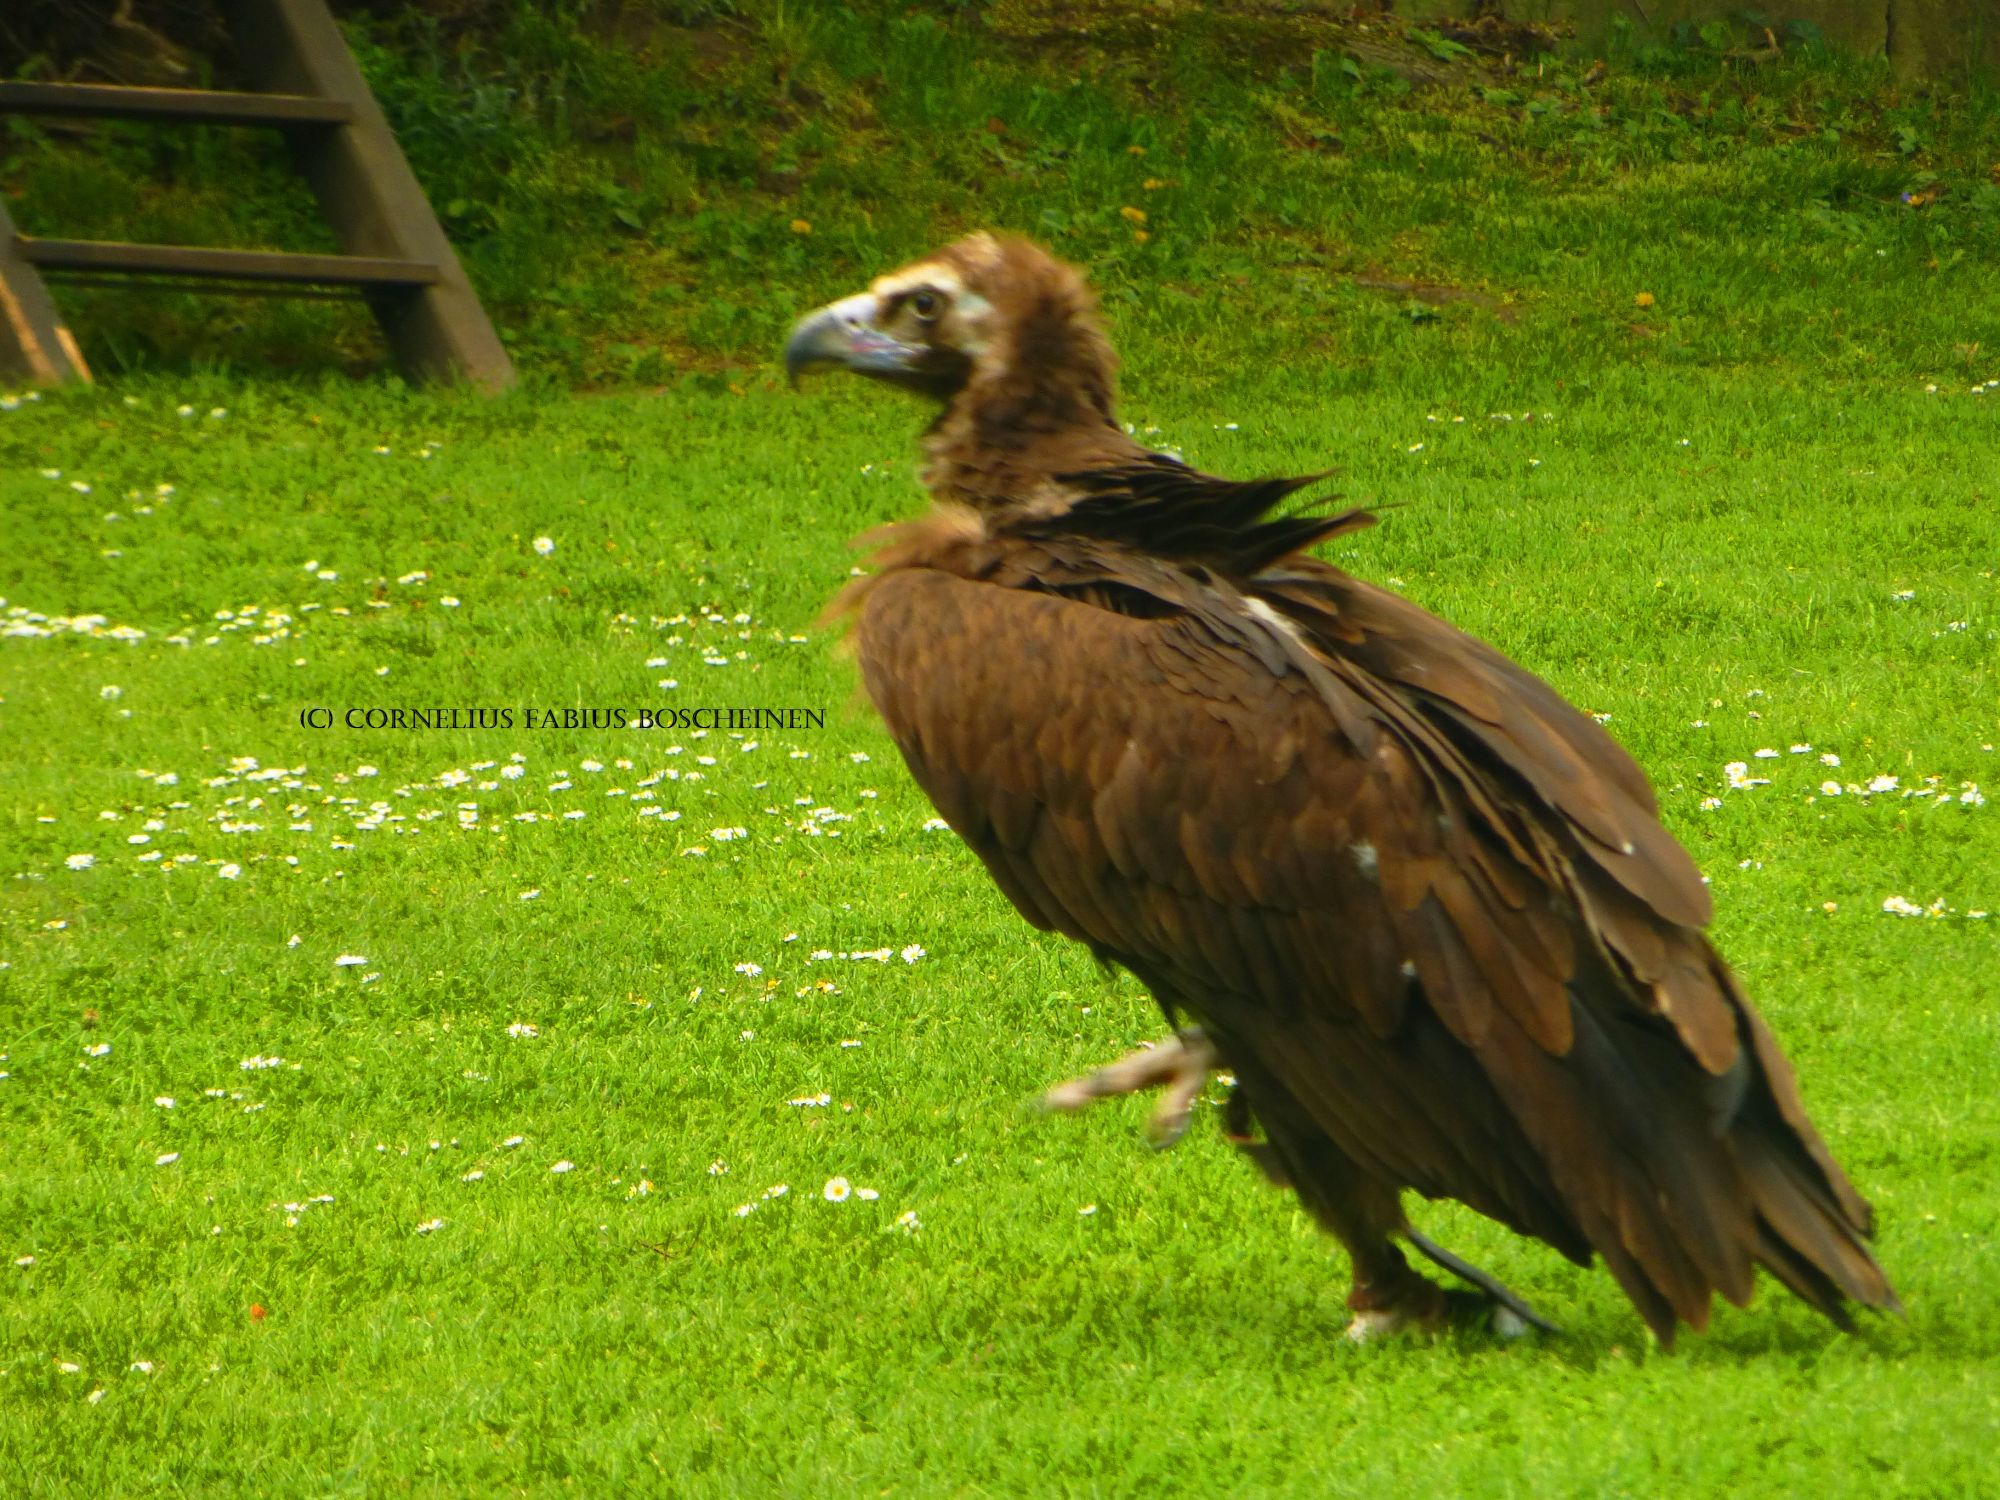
394,252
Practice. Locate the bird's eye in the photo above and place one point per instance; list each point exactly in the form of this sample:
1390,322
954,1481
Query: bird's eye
924,305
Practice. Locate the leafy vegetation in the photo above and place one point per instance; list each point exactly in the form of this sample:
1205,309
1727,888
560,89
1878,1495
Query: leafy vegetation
639,198
1648,399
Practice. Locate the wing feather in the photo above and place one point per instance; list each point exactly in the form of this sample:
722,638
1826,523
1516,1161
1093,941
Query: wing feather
1413,895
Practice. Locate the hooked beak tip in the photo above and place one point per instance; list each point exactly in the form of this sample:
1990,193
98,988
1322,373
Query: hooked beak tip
819,340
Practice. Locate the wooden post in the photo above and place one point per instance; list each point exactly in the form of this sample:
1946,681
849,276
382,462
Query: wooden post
368,194
35,344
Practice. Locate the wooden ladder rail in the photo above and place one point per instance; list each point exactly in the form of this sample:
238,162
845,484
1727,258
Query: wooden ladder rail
395,254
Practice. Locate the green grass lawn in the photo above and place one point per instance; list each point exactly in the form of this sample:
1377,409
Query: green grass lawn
1723,564
461,1111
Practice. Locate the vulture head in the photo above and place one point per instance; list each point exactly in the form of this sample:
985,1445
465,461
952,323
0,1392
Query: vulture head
1001,333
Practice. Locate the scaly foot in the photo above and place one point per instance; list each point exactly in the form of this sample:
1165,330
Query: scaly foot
1180,1065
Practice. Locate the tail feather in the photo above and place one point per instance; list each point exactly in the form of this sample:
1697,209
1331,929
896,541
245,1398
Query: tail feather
1661,1315
1801,1278
1816,1242
1682,1198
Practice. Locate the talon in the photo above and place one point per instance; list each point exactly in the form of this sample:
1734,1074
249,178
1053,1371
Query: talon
1376,1323
1070,1096
1412,1305
1180,1065
1169,1121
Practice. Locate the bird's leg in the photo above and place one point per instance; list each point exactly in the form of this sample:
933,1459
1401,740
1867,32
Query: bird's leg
1366,1216
1239,1130
1363,1213
1389,1297
1180,1064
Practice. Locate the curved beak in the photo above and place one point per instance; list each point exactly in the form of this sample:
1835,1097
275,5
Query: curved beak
843,336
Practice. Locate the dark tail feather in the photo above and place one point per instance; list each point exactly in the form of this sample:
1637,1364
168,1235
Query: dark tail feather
1805,1237
1801,1278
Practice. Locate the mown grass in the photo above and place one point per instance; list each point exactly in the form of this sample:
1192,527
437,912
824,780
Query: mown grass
557,1329
1741,506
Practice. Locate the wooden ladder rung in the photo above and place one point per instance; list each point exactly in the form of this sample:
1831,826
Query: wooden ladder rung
188,106
275,266
398,256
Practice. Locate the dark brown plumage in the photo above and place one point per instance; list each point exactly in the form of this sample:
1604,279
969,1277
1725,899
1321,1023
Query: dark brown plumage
1421,907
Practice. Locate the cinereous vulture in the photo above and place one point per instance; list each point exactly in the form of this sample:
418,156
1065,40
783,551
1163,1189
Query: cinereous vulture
1419,906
